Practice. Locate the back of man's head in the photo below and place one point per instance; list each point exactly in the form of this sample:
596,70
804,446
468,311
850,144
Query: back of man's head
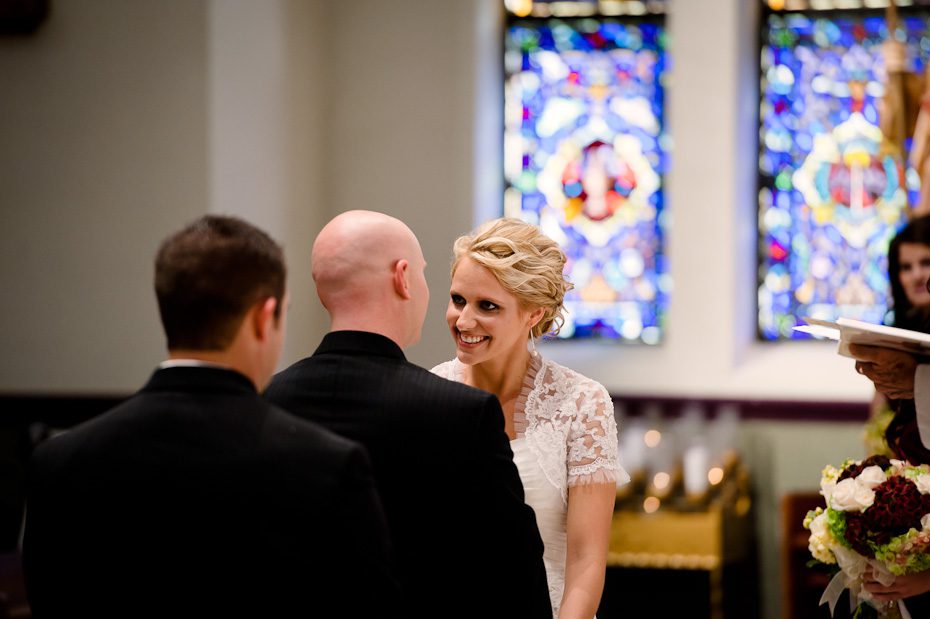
209,274
368,270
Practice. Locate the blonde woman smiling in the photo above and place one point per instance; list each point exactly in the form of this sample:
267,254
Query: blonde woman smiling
507,289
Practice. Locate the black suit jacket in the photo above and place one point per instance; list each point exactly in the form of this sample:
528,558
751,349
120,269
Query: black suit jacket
466,544
197,498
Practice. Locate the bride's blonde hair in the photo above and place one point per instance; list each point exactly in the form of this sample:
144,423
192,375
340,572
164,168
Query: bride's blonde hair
526,262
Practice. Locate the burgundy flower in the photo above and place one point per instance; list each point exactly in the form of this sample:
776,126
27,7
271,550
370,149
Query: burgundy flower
853,470
856,533
898,506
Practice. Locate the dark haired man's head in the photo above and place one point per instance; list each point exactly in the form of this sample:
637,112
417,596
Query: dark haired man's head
208,275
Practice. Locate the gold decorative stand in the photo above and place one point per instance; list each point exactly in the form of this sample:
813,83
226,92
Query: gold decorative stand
697,533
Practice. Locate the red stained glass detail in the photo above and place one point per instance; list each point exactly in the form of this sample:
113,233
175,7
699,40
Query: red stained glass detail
858,32
606,181
596,40
864,185
777,252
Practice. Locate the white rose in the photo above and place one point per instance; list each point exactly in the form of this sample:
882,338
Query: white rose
827,486
821,542
850,496
871,476
819,525
923,483
864,497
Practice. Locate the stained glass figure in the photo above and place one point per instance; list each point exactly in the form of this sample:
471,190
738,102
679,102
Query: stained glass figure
584,156
831,195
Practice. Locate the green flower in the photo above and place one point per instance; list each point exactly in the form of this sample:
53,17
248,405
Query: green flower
873,433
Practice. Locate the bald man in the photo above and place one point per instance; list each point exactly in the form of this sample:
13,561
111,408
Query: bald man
465,543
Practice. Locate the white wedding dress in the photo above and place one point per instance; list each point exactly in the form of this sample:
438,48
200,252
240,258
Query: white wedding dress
566,436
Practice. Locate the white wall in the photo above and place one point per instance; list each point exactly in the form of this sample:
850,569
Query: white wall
268,84
102,152
122,121
401,119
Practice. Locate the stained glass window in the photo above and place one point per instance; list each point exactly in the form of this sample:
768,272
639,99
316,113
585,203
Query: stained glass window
584,157
831,194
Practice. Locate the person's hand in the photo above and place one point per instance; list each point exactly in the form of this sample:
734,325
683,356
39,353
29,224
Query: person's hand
892,371
902,586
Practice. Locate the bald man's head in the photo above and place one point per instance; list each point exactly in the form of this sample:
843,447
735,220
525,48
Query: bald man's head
369,265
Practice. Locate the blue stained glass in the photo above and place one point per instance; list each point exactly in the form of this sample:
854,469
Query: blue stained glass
585,146
830,196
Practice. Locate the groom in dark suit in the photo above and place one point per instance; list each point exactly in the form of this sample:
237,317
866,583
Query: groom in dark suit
195,497
465,542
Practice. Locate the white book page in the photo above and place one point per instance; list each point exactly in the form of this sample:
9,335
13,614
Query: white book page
848,331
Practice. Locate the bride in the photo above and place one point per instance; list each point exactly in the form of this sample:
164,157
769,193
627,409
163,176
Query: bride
507,288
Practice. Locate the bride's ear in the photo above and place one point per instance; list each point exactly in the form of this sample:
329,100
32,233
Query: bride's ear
535,316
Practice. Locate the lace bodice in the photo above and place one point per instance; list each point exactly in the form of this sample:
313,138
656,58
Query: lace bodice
568,422
566,436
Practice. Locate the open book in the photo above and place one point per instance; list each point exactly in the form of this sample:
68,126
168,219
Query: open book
847,331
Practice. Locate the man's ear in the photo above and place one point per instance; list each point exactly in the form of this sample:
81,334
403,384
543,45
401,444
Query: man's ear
399,278
263,317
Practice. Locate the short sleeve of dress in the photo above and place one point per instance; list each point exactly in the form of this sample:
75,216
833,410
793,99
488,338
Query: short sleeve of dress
592,442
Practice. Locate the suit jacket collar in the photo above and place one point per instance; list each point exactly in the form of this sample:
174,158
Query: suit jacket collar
200,379
359,343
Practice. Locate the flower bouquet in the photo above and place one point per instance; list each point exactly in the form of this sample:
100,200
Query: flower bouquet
877,518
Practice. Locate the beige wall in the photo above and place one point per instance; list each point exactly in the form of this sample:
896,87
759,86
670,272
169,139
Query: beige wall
103,145
268,87
400,119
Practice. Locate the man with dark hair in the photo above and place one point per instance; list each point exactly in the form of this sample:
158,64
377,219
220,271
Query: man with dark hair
466,544
208,275
195,497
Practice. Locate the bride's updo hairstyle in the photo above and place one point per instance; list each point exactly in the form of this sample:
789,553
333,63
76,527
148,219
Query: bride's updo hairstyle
526,262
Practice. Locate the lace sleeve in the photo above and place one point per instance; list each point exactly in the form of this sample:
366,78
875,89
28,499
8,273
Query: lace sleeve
592,443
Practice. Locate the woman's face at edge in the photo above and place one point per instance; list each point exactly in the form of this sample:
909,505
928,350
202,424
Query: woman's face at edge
913,273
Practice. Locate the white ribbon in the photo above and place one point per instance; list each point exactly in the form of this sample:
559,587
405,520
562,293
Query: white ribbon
852,568
832,593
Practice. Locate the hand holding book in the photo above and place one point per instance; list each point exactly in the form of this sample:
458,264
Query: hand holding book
888,356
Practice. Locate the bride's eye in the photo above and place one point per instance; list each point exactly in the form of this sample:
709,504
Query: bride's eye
488,306
457,300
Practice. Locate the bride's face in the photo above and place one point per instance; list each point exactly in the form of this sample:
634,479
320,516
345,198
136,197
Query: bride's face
486,321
